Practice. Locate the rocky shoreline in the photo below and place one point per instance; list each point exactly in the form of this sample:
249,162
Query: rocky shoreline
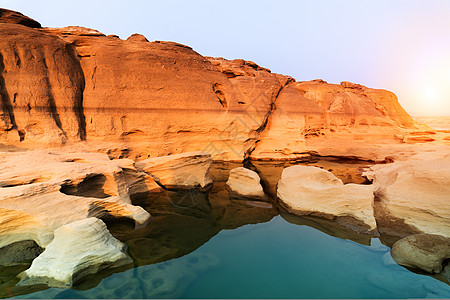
98,131
111,190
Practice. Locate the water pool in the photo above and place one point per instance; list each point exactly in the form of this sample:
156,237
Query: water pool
275,259
210,245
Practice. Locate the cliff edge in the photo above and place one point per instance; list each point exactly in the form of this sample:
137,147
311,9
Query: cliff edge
136,98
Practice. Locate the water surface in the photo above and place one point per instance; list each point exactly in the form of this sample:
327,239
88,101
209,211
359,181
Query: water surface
276,259
212,245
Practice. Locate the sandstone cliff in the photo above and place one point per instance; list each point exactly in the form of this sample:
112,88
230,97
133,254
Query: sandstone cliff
138,98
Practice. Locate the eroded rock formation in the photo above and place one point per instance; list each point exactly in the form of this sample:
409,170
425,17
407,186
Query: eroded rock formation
79,248
311,191
412,197
63,188
245,182
180,171
425,252
142,99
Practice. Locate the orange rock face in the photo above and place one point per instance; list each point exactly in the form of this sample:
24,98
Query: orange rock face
14,17
41,87
138,98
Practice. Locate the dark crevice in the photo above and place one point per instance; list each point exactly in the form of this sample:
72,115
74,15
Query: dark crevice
256,133
390,227
51,101
78,108
91,186
79,114
218,90
6,106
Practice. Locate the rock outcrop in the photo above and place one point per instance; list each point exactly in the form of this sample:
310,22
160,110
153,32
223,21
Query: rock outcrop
412,197
315,115
179,171
425,252
160,98
311,191
245,182
43,190
14,17
79,248
41,88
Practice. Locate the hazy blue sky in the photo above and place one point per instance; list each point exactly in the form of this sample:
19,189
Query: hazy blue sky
399,45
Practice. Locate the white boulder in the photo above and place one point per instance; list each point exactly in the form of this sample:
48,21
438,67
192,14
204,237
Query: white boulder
79,248
245,182
307,190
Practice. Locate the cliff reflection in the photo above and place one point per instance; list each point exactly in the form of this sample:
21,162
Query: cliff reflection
185,220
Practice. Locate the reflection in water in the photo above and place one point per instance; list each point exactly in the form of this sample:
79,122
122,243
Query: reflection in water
330,227
171,251
183,221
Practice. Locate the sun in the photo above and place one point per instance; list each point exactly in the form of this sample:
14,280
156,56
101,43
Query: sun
431,95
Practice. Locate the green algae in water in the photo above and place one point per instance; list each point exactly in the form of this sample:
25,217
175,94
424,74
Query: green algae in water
276,259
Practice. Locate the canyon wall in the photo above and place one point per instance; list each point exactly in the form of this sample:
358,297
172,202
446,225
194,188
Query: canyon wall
76,86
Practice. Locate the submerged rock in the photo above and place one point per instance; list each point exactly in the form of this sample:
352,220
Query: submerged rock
179,171
425,252
79,248
245,182
306,190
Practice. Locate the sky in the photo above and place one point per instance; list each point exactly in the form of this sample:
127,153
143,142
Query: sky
399,45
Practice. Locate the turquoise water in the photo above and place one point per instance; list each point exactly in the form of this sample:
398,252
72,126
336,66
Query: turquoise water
275,259
212,245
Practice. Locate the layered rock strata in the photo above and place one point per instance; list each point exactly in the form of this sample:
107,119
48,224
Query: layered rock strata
79,248
43,190
180,171
63,85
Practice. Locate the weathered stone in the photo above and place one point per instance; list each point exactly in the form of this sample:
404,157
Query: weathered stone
186,170
424,252
14,17
74,83
137,38
43,190
412,197
306,190
73,30
20,252
245,182
79,248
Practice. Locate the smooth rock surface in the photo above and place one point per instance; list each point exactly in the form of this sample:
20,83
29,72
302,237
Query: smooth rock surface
245,182
412,197
79,248
186,170
306,190
425,252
